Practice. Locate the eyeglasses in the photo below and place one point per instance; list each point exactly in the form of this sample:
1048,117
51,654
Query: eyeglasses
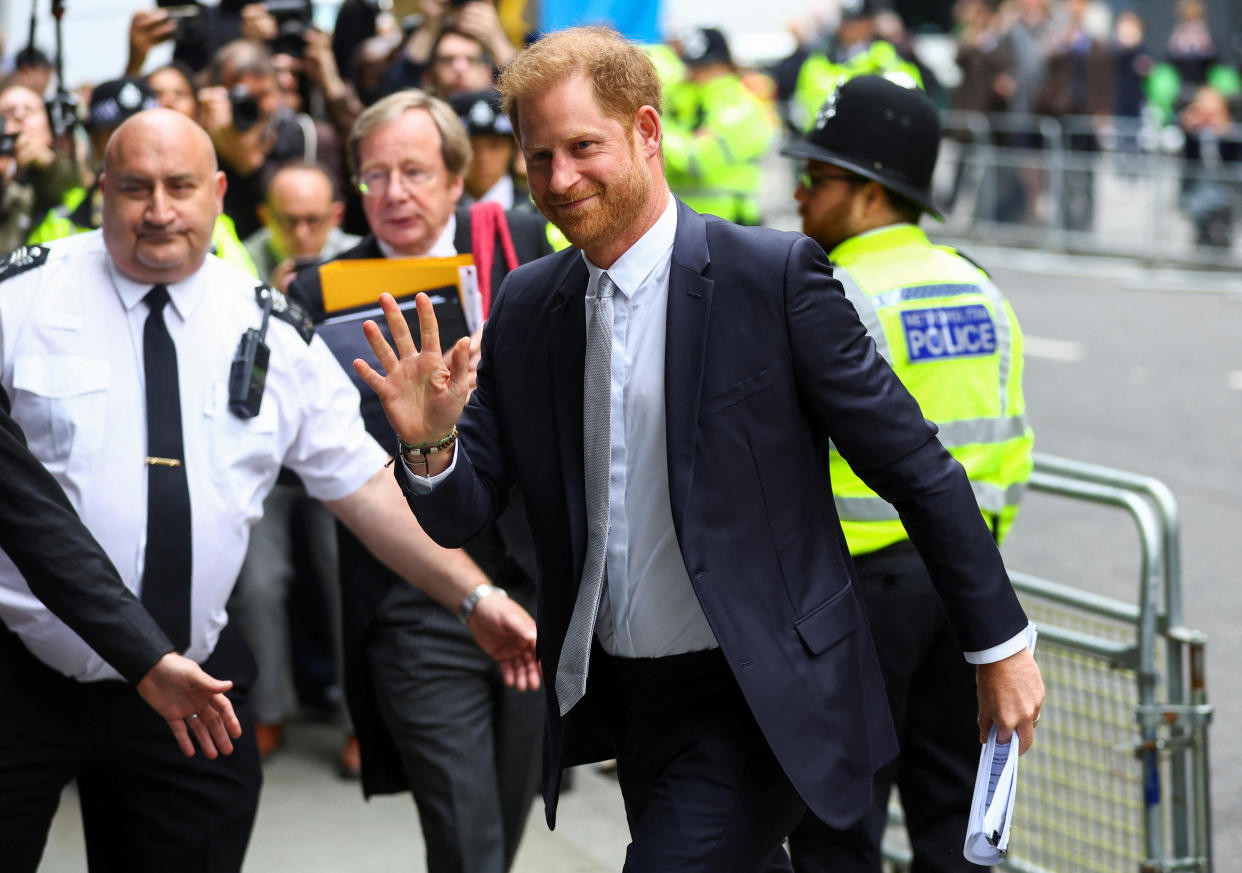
290,223
465,60
374,182
811,182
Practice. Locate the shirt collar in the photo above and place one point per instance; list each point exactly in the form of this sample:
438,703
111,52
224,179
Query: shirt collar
442,248
184,295
631,270
501,192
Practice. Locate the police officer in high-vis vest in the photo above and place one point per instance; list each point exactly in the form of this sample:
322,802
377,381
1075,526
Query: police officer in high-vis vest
953,340
854,51
716,131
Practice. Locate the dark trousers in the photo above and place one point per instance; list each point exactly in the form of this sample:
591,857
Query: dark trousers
931,691
703,791
469,745
146,808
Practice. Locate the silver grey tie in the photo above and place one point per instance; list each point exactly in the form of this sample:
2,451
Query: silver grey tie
571,672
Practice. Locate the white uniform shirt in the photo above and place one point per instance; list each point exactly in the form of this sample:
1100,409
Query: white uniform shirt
71,359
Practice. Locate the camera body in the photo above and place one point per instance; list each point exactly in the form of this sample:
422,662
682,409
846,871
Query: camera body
189,22
245,108
8,144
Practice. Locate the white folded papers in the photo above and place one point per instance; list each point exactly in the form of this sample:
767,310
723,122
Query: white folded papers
996,785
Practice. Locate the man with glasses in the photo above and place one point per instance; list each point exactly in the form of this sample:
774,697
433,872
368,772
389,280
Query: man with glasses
301,217
429,710
954,341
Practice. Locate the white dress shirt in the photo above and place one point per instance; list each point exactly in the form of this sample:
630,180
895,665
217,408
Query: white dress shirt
71,359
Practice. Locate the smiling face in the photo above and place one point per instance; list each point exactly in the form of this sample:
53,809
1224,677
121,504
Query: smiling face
162,194
412,194
595,178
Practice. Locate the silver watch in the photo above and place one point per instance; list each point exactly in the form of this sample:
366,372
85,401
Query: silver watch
473,598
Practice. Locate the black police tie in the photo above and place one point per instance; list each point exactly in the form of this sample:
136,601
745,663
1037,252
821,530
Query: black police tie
166,574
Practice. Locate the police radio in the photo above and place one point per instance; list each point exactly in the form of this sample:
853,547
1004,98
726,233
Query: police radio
249,370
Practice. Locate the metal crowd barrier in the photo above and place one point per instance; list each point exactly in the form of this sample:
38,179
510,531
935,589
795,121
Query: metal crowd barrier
1115,186
1119,778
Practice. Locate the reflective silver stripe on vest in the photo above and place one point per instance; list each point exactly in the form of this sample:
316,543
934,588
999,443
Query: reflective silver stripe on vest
1004,338
991,498
969,431
868,313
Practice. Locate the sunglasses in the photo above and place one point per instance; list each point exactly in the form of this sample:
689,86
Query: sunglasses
812,182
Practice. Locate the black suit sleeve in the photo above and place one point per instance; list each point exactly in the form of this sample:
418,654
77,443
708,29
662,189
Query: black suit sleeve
64,565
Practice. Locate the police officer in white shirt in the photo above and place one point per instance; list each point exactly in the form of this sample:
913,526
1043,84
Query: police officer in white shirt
116,347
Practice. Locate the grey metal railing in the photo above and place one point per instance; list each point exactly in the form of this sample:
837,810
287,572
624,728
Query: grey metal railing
1120,777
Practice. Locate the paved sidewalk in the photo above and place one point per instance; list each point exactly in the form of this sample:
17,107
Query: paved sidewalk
310,821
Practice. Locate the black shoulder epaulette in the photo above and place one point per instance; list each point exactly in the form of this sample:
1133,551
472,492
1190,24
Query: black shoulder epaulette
965,257
22,259
287,310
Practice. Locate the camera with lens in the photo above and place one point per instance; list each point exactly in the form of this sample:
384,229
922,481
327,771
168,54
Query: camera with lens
293,17
8,144
245,108
189,23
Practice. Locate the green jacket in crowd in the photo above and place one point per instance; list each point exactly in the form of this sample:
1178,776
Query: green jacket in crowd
715,135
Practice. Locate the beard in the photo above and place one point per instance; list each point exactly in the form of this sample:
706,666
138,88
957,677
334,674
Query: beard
617,205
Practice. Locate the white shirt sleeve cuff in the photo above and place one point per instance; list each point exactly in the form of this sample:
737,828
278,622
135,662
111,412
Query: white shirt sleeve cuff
1011,646
425,484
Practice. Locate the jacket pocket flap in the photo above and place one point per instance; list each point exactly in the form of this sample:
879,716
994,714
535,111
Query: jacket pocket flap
60,375
830,622
737,392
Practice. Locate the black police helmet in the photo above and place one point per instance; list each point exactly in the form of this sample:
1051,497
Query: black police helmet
700,46
480,113
879,129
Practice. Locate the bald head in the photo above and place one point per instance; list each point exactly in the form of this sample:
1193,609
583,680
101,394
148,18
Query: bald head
166,126
163,191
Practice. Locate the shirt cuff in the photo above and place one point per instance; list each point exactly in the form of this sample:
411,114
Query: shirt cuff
1011,646
420,484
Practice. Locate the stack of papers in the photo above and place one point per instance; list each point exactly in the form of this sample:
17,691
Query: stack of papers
996,785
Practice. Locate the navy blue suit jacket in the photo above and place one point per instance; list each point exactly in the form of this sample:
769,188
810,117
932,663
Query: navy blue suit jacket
765,362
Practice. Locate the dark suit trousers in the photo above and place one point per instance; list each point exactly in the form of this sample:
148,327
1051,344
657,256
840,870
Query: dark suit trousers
146,808
468,744
931,691
703,791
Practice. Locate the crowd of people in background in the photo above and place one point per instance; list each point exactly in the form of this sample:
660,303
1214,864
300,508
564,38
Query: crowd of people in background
1093,67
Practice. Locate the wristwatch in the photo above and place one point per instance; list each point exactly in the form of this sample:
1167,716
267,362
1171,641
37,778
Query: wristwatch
473,598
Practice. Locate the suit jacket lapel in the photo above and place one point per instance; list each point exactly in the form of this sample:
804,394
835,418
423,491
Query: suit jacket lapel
567,336
689,308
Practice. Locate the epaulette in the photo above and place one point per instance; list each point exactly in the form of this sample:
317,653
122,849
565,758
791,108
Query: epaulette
965,257
287,310
22,259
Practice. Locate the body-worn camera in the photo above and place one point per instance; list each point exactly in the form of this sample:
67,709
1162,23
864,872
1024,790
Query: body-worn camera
245,108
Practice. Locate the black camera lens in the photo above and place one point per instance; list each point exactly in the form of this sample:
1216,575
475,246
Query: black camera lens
245,108
290,39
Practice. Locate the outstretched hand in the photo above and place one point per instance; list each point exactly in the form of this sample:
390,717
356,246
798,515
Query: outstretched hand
423,391
506,632
1011,692
192,701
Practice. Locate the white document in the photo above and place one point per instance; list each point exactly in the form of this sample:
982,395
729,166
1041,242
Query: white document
996,785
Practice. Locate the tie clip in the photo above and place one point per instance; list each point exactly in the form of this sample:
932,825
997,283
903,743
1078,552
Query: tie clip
163,462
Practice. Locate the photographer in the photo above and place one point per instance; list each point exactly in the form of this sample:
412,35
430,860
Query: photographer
34,177
252,134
